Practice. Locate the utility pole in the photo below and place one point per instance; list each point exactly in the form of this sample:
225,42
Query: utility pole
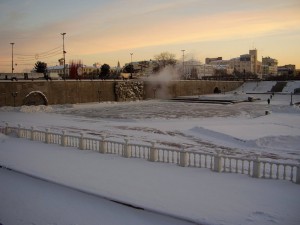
12,57
131,64
183,60
64,54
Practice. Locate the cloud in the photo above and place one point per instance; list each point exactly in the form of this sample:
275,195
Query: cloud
105,27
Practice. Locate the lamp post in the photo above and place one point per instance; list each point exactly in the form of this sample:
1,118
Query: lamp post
12,57
183,60
64,54
14,95
131,65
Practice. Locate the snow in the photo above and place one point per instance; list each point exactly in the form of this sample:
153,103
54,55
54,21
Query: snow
198,195
38,202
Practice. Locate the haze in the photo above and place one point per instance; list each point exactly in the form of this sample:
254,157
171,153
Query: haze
107,31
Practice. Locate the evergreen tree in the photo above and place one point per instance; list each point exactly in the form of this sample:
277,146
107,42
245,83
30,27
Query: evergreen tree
104,71
40,67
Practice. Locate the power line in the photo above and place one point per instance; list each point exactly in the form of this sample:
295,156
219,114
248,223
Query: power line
41,53
37,56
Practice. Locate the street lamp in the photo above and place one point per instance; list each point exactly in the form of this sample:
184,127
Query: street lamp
12,57
183,60
131,65
14,95
64,54
291,103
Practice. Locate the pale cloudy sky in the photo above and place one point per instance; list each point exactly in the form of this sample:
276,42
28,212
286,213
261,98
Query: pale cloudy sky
107,31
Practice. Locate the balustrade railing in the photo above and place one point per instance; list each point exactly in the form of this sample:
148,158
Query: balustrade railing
217,162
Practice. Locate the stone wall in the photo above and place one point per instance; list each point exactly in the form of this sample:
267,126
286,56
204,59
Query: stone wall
70,92
129,91
165,90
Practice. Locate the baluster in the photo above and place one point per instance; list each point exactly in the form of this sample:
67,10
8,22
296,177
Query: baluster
224,164
292,173
271,172
32,133
200,160
277,171
141,151
230,165
284,172
107,143
158,158
195,160
249,166
236,165
264,170
205,162
243,161
167,156
137,151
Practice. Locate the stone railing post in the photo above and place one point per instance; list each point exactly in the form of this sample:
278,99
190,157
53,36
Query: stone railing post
47,136
19,131
218,162
153,153
64,139
298,175
183,158
256,168
32,134
103,148
127,152
7,129
82,142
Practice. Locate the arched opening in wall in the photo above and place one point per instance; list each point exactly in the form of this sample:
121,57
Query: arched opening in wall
35,98
217,90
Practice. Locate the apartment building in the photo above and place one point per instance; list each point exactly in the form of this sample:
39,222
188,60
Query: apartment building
269,67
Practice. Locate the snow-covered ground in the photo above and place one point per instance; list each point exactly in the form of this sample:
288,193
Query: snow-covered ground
199,195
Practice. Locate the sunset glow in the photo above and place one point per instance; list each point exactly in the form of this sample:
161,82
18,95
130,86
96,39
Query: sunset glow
107,31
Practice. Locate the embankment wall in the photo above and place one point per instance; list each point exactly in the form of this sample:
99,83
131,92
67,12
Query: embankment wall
76,91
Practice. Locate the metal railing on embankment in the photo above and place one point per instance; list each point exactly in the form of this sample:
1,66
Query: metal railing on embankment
216,162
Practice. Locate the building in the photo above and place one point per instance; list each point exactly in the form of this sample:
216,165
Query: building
223,66
209,60
247,64
286,70
59,69
269,67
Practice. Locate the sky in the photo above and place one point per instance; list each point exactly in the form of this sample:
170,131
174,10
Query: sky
108,31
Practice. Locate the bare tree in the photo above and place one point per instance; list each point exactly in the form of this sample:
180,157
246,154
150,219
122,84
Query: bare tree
164,59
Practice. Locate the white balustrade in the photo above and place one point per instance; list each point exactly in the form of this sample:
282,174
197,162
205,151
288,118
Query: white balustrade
103,148
114,147
92,144
219,163
126,149
140,151
153,157
48,135
184,156
82,142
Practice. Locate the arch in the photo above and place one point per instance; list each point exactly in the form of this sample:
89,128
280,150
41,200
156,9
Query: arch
35,98
217,90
